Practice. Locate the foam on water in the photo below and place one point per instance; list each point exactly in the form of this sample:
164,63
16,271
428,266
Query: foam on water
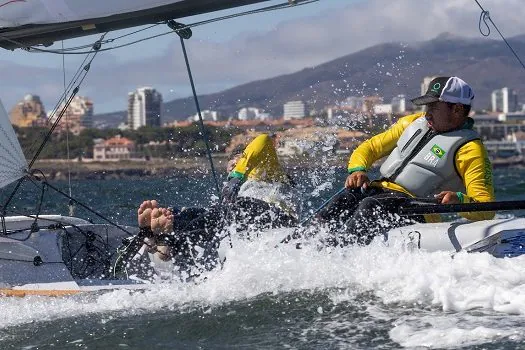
459,296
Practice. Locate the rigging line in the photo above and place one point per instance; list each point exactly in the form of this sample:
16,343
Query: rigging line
35,49
52,129
186,34
96,46
11,196
131,33
63,96
88,209
72,82
80,47
67,133
486,16
73,94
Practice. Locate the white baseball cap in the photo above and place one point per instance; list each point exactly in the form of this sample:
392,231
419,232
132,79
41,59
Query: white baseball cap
446,89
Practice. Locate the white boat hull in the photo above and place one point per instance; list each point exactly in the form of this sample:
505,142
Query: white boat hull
61,258
54,260
500,237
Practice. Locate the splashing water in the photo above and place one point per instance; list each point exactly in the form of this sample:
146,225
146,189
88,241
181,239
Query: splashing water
472,298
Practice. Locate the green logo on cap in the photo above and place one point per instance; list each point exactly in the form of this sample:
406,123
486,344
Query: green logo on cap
436,87
438,151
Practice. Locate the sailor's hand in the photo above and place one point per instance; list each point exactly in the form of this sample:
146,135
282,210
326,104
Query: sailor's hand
357,179
230,190
447,197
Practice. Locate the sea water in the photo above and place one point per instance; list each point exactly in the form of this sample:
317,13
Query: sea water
281,297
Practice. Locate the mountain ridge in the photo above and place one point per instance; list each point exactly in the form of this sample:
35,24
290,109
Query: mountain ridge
386,69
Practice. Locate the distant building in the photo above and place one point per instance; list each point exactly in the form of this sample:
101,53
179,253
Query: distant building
504,100
515,117
113,149
353,103
77,117
382,109
399,104
294,110
483,119
144,108
369,102
252,113
207,116
28,112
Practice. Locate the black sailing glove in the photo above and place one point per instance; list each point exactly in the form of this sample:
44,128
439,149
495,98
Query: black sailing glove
230,190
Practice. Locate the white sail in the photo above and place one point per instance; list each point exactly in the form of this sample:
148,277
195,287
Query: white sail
13,164
26,23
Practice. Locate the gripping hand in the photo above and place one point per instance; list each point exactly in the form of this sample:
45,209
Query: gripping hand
230,190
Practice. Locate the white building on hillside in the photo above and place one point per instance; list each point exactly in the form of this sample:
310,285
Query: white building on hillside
207,116
504,100
354,103
77,117
294,110
252,113
144,108
382,109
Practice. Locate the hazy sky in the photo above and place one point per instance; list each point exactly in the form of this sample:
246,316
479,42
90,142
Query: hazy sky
254,47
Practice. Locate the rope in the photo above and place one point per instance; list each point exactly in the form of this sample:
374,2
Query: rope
71,213
484,17
88,209
95,255
185,33
81,76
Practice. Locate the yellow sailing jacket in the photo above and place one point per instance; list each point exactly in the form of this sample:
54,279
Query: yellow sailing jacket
471,161
259,162
264,177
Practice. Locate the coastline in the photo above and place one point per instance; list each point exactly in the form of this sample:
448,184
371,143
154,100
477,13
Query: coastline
80,170
58,169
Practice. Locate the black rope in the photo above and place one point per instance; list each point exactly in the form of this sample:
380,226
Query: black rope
86,68
185,33
88,209
63,97
6,204
75,201
37,261
94,254
485,16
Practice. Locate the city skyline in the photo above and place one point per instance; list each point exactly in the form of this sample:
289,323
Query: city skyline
247,49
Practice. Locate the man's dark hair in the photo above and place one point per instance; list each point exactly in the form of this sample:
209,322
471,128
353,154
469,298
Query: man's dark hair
466,108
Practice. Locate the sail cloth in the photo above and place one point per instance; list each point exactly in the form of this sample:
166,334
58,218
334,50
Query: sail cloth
25,23
13,164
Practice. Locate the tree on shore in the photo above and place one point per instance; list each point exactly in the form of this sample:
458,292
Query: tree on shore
153,141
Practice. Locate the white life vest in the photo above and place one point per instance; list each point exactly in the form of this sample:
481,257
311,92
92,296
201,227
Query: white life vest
424,161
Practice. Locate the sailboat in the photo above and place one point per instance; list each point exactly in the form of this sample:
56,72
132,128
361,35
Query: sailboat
63,255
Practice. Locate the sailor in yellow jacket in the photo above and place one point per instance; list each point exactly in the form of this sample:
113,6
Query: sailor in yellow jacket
435,154
258,174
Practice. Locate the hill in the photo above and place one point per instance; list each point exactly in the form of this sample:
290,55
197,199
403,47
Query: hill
386,69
